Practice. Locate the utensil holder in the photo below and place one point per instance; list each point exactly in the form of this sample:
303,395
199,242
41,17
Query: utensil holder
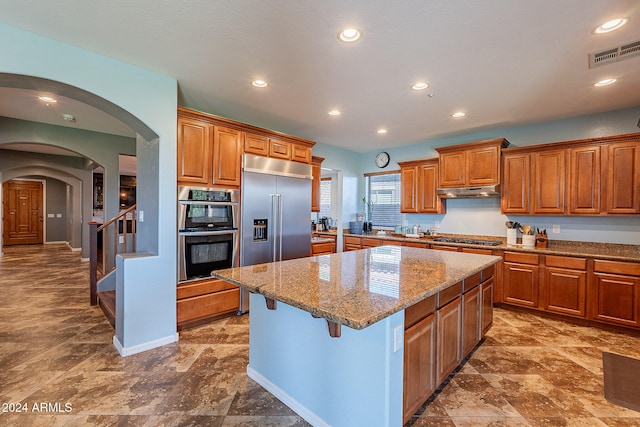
528,240
512,235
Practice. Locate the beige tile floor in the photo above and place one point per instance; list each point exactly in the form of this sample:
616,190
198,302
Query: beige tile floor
57,350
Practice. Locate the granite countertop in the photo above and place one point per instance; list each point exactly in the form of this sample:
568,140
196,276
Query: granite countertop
358,288
609,251
322,240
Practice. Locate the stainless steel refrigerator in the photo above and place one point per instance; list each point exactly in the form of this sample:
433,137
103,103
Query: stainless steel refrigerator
275,212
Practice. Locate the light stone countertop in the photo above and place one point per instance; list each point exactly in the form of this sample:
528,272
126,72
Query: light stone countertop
358,288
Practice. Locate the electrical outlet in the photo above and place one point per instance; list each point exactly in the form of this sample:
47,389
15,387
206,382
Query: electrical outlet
556,229
398,338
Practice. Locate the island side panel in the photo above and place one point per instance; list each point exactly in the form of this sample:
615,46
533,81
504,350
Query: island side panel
356,379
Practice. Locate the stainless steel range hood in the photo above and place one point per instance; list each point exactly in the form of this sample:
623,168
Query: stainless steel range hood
469,192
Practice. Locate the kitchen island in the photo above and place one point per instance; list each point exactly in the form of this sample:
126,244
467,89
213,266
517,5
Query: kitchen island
330,335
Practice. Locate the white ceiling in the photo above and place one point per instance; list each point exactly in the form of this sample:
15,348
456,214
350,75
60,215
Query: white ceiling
503,62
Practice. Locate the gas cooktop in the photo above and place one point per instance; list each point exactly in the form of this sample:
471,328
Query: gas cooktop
468,241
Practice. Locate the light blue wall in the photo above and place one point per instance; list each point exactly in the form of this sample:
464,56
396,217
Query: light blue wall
152,98
482,216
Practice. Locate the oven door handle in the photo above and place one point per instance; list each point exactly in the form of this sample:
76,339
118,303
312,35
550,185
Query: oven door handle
206,202
206,233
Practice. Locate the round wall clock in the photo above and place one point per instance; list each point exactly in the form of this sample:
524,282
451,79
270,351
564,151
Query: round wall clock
382,159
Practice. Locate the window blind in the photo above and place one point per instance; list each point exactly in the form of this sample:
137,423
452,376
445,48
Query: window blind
383,192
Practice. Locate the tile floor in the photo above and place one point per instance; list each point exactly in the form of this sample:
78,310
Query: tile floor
56,350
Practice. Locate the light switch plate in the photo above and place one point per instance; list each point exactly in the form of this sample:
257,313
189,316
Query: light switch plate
398,338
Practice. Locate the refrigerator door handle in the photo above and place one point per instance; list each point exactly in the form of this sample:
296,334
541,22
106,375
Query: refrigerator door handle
280,213
274,234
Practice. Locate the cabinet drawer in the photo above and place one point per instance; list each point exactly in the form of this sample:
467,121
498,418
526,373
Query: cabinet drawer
419,311
444,248
349,240
521,258
617,267
449,294
477,251
415,245
322,248
208,305
207,286
471,282
391,243
488,272
370,243
566,262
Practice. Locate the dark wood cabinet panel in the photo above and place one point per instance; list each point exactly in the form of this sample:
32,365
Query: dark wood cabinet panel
316,168
548,181
483,166
449,344
565,291
623,183
194,151
516,173
471,315
419,365
279,149
521,284
584,180
227,156
616,299
486,290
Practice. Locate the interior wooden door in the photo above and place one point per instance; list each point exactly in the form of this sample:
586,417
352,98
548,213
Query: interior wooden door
22,212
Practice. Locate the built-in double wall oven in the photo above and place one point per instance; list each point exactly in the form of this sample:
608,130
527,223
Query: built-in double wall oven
207,231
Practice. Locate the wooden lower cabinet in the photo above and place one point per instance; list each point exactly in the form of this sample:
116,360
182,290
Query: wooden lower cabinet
200,301
564,285
419,365
486,296
449,344
521,279
350,243
323,248
615,293
471,318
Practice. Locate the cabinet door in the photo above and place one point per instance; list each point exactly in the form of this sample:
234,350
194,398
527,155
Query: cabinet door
227,155
256,144
452,169
300,153
521,284
483,166
549,171
472,309
194,151
623,182
428,189
419,365
449,342
279,149
315,187
616,299
409,189
584,180
515,183
565,291
486,289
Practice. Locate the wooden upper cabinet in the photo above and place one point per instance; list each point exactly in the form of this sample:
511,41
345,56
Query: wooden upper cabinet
194,151
428,188
316,163
584,180
516,173
419,187
469,165
279,149
300,153
623,177
256,144
409,189
548,181
227,156
453,169
483,166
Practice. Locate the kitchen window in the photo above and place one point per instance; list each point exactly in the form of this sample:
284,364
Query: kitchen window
383,194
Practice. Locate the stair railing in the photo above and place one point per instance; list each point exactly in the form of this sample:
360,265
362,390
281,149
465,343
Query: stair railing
117,238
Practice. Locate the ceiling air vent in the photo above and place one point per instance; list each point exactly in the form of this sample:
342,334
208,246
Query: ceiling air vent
614,54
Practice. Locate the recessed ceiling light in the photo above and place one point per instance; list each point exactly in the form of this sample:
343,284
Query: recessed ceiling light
609,26
259,83
419,85
334,112
605,82
349,35
47,99
458,115
381,131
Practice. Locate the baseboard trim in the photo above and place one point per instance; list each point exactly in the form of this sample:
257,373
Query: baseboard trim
285,398
128,351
